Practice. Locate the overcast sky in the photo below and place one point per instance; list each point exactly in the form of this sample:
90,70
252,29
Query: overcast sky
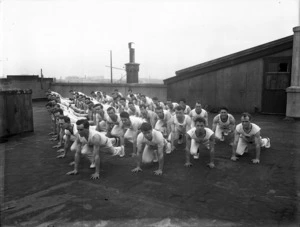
74,37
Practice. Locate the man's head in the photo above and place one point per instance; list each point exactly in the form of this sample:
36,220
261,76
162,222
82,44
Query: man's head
125,118
83,127
143,109
129,91
155,100
49,106
200,125
143,98
160,112
179,112
56,106
133,98
182,103
146,129
246,120
58,112
98,108
169,104
123,101
131,106
90,105
87,100
64,121
198,107
80,97
117,98
111,112
223,111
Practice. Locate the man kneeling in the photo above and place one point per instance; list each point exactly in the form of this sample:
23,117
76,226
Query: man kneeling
149,144
92,144
197,136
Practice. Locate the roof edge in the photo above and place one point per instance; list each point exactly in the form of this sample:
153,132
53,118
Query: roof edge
233,59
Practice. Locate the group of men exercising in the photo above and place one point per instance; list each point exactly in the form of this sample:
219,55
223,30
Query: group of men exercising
95,124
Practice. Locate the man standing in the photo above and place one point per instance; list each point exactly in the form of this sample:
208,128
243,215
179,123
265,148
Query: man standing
248,133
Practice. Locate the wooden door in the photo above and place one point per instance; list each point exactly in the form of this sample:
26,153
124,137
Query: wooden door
277,77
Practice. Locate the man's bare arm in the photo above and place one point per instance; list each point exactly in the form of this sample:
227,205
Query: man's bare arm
235,142
211,164
257,148
187,150
96,154
160,152
140,148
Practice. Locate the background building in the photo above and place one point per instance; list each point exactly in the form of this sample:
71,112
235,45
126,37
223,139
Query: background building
251,80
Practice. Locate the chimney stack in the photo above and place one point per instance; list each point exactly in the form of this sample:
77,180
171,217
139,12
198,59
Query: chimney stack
132,68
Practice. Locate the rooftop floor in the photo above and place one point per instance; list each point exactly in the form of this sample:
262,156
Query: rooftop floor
37,191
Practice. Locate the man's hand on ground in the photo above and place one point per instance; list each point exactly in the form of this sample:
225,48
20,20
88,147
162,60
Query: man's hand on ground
74,172
95,176
61,156
211,165
158,172
234,158
188,164
137,169
57,146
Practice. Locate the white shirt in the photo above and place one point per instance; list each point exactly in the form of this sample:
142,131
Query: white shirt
193,114
158,141
223,125
250,135
192,134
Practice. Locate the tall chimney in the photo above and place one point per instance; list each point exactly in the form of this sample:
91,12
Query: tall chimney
132,68
131,52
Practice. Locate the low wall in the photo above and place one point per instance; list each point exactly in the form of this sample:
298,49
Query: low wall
16,115
151,90
38,85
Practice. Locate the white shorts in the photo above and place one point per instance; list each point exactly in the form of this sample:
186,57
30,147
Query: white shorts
243,144
131,135
220,131
195,145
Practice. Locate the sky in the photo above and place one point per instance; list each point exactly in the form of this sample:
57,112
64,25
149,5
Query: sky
74,37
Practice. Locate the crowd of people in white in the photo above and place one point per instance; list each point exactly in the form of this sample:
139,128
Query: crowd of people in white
95,124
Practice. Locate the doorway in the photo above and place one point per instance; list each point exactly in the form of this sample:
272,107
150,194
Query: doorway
277,77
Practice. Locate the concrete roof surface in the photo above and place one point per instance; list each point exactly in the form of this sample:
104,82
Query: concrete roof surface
37,191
